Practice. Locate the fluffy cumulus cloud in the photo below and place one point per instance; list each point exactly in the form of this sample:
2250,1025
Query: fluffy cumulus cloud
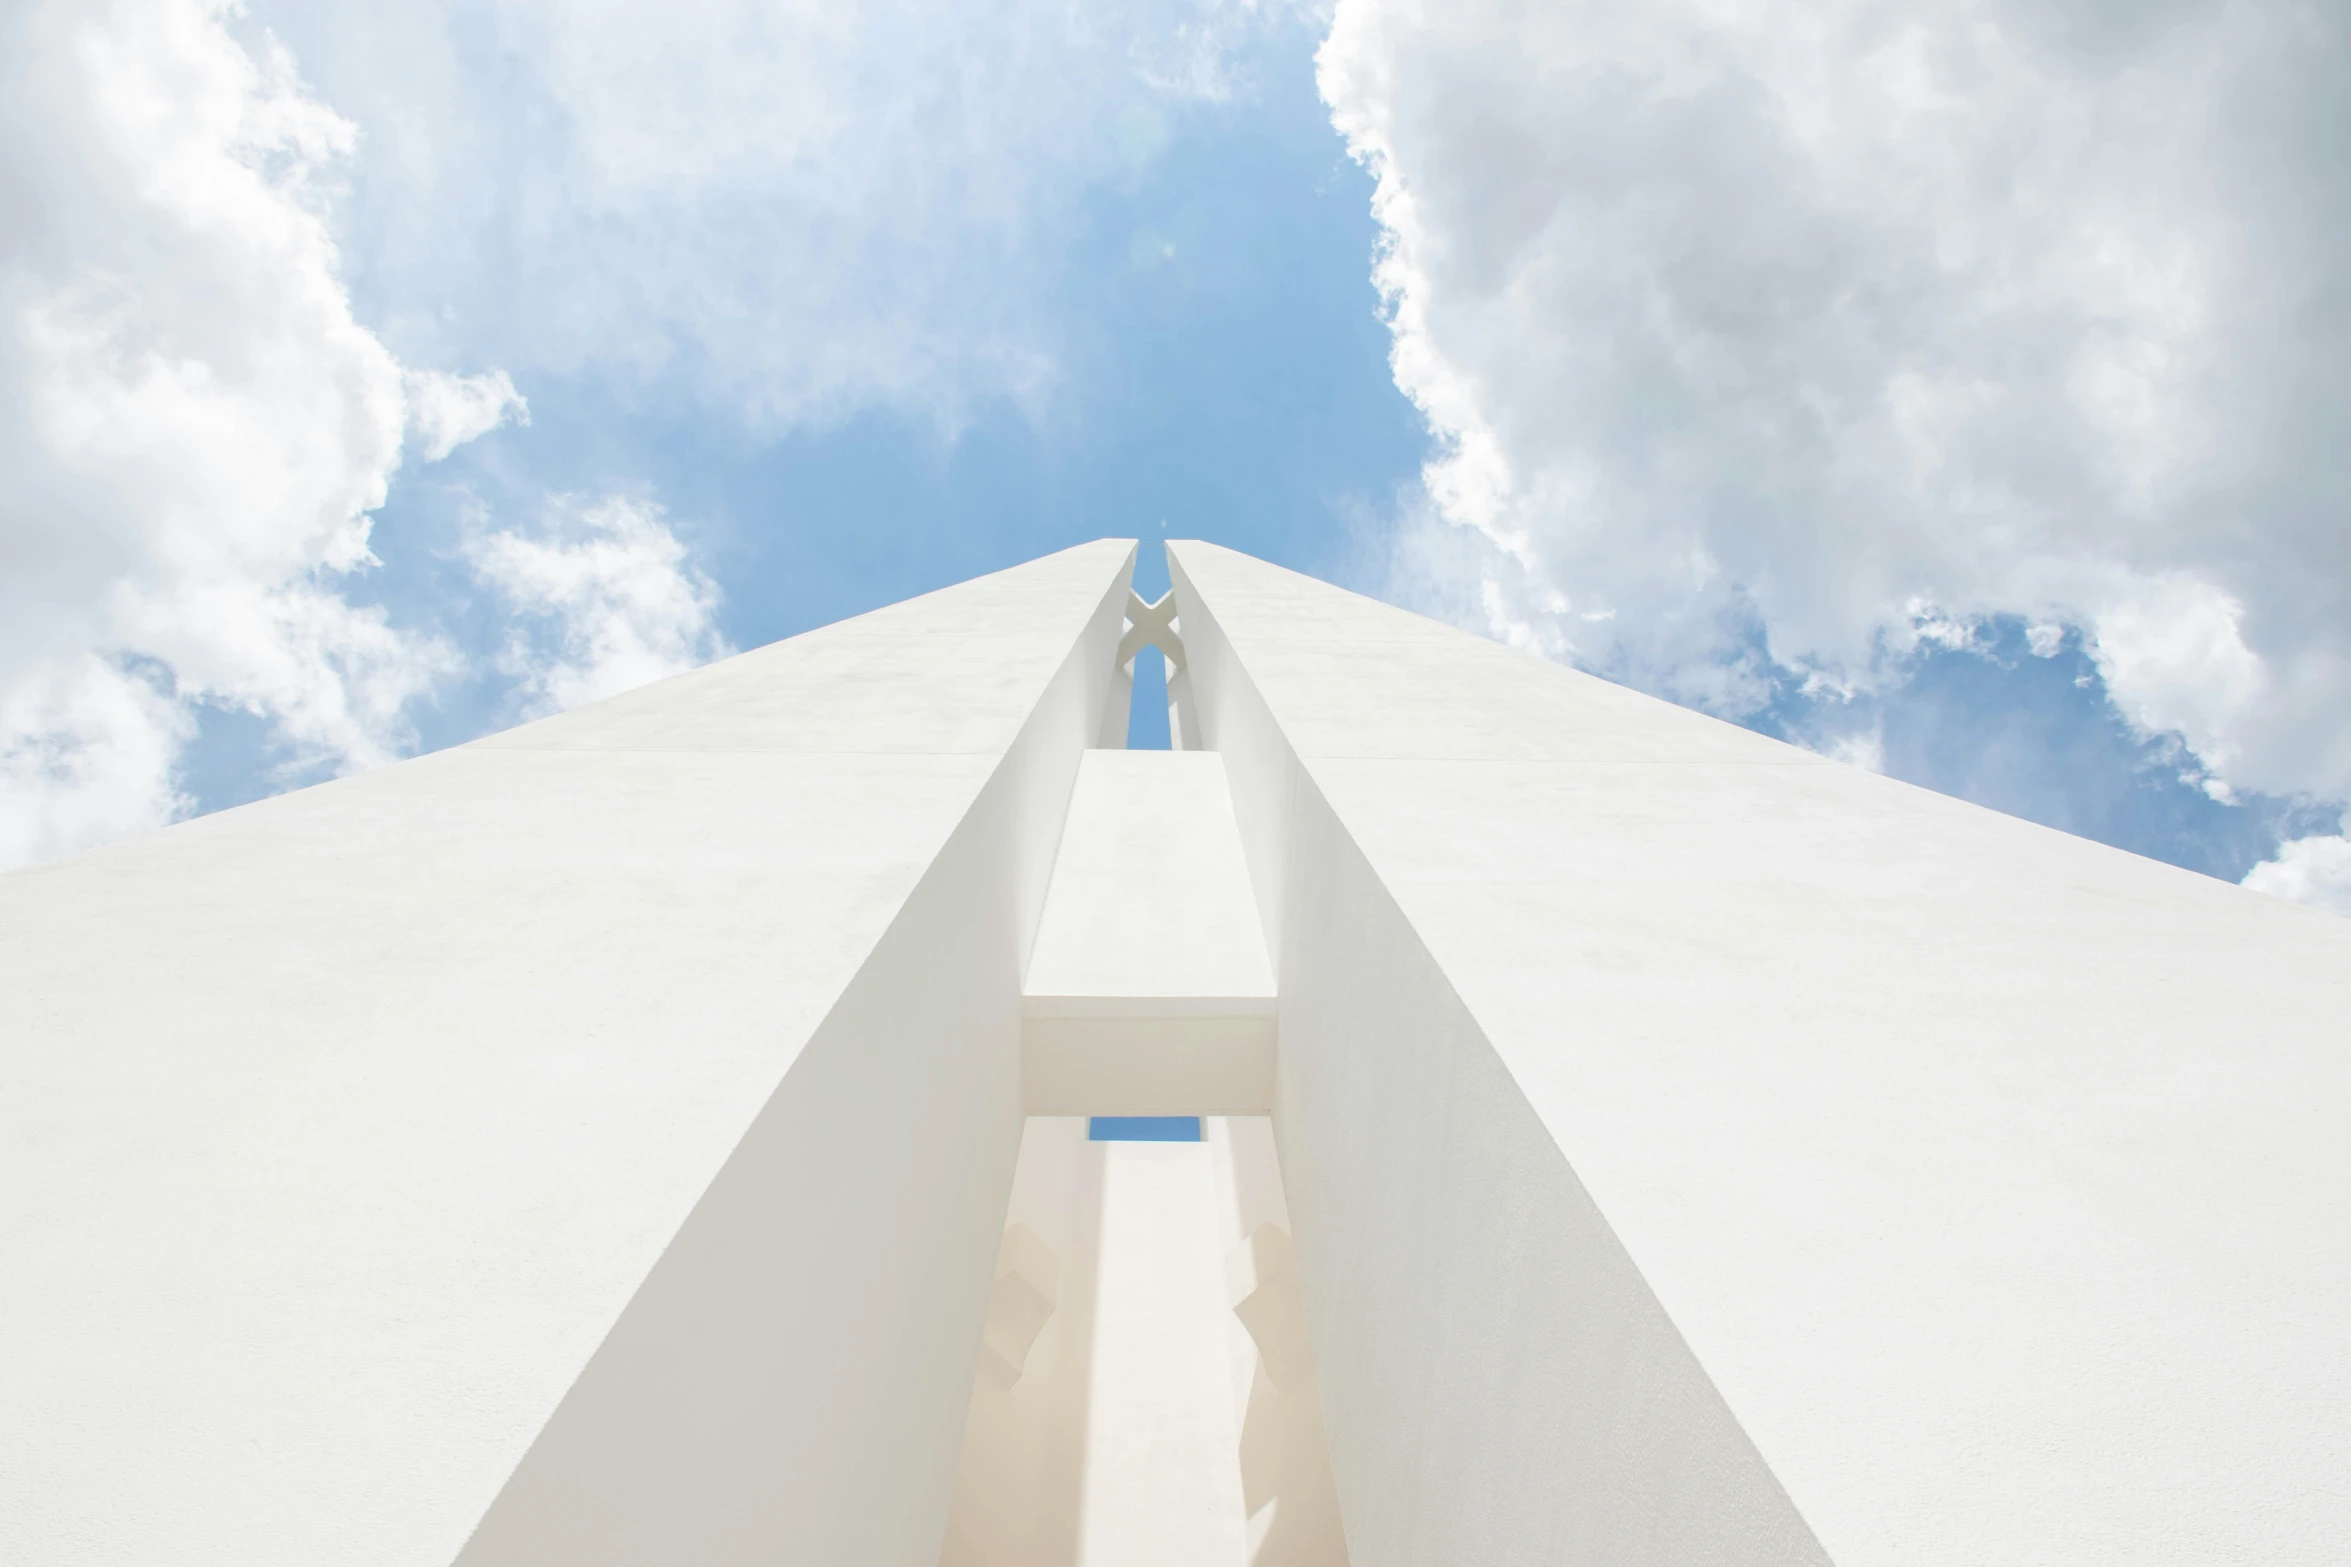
2316,870
1770,345
194,425
604,600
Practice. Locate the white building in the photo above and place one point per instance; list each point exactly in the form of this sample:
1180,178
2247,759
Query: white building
657,1135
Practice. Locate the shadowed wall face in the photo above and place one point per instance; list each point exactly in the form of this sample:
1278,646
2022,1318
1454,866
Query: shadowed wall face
1161,1411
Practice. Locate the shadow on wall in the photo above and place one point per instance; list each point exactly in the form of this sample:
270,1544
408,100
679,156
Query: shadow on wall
1145,1392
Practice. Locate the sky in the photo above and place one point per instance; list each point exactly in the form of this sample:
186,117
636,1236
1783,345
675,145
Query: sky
1962,390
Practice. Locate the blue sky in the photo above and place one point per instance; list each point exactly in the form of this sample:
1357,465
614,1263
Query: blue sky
464,361
1221,374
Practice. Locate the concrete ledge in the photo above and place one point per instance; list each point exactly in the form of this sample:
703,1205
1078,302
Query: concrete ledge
1114,1007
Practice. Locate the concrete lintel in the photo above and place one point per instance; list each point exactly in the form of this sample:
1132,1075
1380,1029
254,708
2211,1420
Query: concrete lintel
1147,1065
1118,1007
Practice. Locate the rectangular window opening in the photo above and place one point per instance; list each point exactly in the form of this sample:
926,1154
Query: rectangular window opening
1143,1129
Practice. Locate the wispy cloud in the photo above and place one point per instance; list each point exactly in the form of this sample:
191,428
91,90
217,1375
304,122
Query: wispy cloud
783,213
445,411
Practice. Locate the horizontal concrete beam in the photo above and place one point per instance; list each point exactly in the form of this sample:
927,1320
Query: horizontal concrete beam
1199,1065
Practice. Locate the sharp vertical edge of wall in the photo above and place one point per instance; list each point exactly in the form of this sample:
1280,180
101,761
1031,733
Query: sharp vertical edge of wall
1498,1383
590,1141
790,1383
1260,769
1637,1072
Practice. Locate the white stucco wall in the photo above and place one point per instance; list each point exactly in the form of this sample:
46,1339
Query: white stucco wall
638,1089
1701,1151
1697,1151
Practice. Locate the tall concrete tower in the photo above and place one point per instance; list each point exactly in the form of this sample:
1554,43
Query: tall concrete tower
840,1107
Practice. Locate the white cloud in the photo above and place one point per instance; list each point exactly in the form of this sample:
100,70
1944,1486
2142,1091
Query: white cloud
1800,317
2173,654
86,752
2314,870
604,600
786,210
194,426
445,411
1865,748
